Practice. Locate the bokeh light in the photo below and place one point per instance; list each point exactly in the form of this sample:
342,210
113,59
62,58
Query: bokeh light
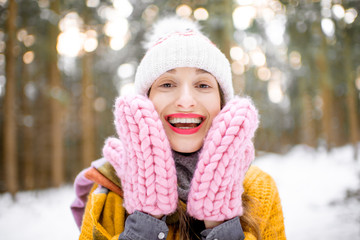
237,67
275,92
92,3
126,70
118,30
90,44
328,27
245,2
28,57
123,8
295,59
30,90
263,73
28,120
29,40
275,30
243,17
266,13
21,34
183,10
100,104
150,13
236,53
43,3
201,14
117,27
70,21
70,42
350,15
246,59
117,43
127,89
338,11
257,57
250,43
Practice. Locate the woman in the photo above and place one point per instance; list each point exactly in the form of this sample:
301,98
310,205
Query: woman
180,167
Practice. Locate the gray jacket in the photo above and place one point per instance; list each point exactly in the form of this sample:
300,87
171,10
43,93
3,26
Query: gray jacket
141,226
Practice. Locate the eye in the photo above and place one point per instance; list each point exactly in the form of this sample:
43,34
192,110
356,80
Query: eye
167,85
203,85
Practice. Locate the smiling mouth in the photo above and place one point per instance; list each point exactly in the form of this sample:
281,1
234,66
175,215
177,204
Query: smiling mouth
185,123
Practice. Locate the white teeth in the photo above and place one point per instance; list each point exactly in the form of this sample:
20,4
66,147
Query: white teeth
184,120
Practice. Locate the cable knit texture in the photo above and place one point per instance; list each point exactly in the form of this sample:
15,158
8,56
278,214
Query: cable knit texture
265,207
216,188
142,157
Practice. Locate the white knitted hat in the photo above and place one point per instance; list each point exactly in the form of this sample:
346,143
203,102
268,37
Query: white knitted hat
177,42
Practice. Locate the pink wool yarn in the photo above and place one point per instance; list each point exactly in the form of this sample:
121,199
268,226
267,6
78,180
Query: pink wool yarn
142,157
216,188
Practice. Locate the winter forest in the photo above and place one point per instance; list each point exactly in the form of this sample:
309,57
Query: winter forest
62,63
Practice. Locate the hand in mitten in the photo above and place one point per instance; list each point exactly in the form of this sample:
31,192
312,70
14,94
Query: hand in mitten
217,185
142,158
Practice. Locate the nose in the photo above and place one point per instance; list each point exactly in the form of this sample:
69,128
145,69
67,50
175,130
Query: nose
185,98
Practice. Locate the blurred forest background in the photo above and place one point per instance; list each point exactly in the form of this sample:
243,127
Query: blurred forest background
63,62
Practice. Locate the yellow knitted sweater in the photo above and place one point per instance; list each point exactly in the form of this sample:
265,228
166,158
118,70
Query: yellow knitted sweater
105,216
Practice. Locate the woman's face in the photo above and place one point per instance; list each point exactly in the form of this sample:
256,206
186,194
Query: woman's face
187,100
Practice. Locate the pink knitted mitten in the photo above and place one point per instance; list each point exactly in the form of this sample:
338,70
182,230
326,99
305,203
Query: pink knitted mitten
142,158
217,185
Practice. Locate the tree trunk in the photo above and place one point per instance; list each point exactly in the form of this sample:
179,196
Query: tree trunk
28,135
87,113
351,95
57,168
307,121
42,144
326,94
10,142
223,30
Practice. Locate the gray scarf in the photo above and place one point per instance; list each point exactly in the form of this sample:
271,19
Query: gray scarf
185,164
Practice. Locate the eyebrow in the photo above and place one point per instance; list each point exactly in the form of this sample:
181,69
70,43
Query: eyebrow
198,71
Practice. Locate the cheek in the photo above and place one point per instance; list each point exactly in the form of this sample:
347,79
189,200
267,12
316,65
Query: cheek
158,102
214,111
161,107
213,106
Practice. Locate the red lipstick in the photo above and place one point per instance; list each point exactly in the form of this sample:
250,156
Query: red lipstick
179,116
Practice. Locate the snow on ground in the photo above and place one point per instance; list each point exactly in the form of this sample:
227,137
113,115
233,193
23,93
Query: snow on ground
312,186
38,215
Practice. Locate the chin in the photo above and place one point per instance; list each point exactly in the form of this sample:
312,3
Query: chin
186,147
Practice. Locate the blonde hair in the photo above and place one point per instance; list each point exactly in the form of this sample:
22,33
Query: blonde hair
188,228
